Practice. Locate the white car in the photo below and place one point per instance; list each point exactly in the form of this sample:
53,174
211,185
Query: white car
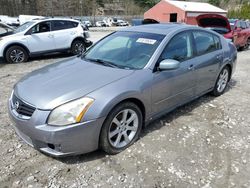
121,23
44,36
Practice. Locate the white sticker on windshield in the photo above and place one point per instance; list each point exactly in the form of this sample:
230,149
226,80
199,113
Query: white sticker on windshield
146,41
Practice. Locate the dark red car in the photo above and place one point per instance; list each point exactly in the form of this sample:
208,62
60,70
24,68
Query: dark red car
235,30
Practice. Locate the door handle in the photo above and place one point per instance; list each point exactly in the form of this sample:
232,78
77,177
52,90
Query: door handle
191,67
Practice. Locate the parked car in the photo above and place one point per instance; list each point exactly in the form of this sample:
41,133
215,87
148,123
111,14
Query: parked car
5,30
126,80
100,24
234,30
44,36
242,31
87,23
121,23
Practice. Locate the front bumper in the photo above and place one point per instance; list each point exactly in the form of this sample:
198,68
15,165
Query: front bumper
57,141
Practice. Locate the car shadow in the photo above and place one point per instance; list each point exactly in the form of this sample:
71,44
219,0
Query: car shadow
164,120
50,56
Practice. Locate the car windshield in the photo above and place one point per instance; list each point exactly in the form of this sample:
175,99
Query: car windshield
128,50
23,27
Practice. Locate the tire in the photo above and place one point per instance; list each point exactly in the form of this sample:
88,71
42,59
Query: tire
16,54
248,43
113,137
221,82
78,47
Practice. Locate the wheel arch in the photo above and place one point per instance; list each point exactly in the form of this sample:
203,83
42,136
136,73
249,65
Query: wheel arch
133,100
137,102
230,69
78,38
15,44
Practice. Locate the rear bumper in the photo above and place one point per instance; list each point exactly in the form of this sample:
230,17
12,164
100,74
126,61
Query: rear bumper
88,43
57,141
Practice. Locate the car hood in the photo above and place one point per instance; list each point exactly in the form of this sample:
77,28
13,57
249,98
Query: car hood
61,82
6,34
213,20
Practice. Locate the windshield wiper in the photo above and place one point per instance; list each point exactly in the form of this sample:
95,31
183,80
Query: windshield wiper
103,62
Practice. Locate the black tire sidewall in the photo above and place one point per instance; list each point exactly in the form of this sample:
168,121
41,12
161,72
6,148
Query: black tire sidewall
104,141
10,49
215,91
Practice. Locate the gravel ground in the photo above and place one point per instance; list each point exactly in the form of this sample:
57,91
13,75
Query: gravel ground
202,144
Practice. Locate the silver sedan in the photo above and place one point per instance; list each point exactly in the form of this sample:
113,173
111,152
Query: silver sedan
103,98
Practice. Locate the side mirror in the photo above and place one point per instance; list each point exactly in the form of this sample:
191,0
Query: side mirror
169,64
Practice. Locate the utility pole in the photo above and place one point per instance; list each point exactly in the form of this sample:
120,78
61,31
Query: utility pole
51,6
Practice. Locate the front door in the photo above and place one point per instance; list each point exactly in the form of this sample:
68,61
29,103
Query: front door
41,39
174,87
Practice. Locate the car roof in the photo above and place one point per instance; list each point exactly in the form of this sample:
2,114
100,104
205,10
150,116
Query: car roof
163,29
52,19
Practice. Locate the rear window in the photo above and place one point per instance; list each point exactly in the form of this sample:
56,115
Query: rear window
206,42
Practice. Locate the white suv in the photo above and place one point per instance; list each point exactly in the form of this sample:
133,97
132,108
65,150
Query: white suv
44,36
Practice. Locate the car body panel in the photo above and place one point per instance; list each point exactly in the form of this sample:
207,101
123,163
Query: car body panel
156,91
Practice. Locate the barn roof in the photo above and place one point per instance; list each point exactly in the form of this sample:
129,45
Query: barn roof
196,6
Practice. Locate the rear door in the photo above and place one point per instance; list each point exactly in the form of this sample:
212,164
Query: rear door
209,55
64,32
173,87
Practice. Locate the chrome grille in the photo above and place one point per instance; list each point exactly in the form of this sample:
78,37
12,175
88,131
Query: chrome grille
21,107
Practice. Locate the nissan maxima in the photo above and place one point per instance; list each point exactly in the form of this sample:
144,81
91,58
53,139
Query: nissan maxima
103,98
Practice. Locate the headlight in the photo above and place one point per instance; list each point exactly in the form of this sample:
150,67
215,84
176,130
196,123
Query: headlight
70,113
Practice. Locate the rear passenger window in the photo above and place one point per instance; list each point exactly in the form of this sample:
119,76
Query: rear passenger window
205,42
61,24
179,48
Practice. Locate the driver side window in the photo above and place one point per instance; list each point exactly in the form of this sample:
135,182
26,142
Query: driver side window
179,48
41,27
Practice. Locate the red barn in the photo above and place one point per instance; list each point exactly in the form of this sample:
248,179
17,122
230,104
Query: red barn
180,11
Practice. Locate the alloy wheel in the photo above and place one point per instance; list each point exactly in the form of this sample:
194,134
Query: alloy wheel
123,128
223,79
17,56
79,48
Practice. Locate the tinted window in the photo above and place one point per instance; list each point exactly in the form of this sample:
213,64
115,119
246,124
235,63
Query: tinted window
204,42
41,27
61,24
179,48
